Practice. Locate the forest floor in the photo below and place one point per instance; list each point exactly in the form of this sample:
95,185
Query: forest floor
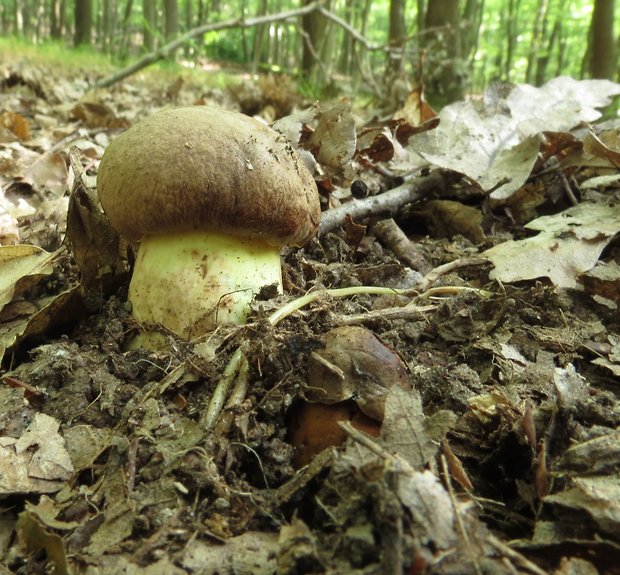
480,414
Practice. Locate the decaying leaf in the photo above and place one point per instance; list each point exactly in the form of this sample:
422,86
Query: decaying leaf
597,455
13,126
404,428
430,504
9,232
36,462
603,281
333,140
119,517
569,243
35,536
354,364
329,134
95,244
251,553
598,496
416,110
95,114
49,172
449,218
21,267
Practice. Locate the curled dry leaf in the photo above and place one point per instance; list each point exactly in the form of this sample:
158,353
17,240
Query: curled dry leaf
354,364
568,244
14,126
348,380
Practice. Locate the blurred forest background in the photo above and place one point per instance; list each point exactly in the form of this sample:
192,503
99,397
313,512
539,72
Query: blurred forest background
385,47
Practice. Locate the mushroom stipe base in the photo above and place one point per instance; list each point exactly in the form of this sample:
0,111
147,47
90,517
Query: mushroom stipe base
191,282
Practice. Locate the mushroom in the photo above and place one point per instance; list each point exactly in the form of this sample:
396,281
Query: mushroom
348,380
212,196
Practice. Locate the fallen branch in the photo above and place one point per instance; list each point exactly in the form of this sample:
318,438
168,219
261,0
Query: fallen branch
385,204
389,234
351,31
164,51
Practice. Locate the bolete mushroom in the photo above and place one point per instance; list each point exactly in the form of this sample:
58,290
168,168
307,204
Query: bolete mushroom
348,380
212,196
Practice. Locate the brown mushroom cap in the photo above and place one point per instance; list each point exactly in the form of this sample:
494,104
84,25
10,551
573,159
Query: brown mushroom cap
204,168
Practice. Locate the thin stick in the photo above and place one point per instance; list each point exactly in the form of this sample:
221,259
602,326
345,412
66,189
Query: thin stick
367,441
390,234
515,556
457,514
209,419
432,276
388,202
408,311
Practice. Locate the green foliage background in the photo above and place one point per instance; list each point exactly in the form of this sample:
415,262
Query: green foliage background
503,36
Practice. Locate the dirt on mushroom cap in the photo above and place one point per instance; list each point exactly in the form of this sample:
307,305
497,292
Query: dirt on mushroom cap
205,168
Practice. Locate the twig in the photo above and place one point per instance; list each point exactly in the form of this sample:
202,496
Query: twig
515,556
457,514
209,419
386,203
350,30
236,397
367,442
408,311
431,277
390,234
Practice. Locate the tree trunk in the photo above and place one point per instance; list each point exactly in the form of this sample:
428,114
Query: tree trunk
602,46
397,36
346,49
27,19
421,15
538,38
313,25
18,24
83,22
56,19
260,38
126,30
447,84
171,16
188,49
542,63
149,25
472,16
107,25
512,32
40,28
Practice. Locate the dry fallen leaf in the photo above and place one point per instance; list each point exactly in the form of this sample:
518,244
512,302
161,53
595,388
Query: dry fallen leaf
36,462
496,142
569,243
598,496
